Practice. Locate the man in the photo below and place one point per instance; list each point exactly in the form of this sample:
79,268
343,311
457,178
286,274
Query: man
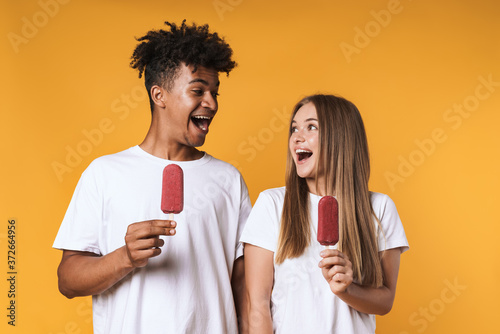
148,274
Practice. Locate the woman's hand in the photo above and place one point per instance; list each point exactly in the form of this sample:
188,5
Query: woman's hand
337,270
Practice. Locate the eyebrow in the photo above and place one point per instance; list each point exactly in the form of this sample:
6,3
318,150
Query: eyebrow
203,82
307,120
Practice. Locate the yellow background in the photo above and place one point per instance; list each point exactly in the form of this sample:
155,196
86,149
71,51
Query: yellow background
406,73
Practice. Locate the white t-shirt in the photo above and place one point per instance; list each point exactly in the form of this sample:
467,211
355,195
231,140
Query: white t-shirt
301,300
186,289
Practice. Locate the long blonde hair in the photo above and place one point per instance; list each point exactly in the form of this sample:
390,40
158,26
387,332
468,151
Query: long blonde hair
344,158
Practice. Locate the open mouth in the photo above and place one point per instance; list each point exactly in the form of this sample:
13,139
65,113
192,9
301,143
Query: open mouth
202,122
303,155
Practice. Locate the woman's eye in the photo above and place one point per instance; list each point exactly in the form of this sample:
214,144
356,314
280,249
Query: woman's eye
293,129
313,127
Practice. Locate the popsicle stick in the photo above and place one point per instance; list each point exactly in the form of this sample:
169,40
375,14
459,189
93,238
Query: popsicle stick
170,216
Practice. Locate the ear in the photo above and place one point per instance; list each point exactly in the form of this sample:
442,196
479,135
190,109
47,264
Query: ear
158,95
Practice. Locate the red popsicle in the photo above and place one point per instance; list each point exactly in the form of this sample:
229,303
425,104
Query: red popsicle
172,194
328,221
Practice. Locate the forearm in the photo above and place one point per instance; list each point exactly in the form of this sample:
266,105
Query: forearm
368,300
260,320
259,277
240,295
84,275
337,270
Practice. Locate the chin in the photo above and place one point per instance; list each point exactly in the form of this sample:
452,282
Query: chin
196,142
303,175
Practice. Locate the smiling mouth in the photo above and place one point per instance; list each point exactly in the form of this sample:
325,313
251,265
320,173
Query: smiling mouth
303,155
202,122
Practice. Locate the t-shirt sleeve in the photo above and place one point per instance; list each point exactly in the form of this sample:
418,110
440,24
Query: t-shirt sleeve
79,229
393,235
245,208
262,226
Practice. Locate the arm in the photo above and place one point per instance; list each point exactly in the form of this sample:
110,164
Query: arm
85,273
240,294
259,276
337,270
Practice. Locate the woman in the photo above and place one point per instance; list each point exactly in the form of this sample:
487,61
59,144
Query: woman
296,286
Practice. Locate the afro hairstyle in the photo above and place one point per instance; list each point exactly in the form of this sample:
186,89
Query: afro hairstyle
159,55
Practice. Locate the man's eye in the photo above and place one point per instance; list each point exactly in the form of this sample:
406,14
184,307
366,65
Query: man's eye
197,91
215,95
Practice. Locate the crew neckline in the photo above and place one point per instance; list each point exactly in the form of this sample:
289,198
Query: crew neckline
318,197
190,163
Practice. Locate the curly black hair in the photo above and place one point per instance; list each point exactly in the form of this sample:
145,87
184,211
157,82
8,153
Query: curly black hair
161,52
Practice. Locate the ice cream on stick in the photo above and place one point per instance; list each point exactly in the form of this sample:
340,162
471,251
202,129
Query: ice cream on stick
328,221
172,194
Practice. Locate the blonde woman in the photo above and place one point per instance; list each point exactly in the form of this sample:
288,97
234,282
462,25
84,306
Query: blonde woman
294,284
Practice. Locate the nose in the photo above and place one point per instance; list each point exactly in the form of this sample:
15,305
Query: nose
209,101
298,137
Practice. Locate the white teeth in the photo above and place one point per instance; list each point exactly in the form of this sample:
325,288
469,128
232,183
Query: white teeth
301,151
202,117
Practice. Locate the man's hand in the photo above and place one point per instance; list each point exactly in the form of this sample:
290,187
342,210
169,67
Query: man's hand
143,242
85,273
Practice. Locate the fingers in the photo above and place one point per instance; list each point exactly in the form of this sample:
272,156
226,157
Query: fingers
151,228
333,261
336,269
331,252
139,258
332,257
143,241
337,272
340,282
142,244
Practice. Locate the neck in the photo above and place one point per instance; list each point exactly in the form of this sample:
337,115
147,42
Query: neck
158,143
320,190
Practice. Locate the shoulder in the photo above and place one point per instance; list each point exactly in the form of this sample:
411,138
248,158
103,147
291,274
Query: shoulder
393,235
379,199
130,153
385,209
271,199
221,165
107,166
262,226
274,194
382,204
223,173
122,157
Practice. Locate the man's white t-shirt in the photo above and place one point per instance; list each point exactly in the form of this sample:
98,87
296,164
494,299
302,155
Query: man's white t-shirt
301,300
187,288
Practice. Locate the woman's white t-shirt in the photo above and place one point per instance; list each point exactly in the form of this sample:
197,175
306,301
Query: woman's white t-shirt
301,300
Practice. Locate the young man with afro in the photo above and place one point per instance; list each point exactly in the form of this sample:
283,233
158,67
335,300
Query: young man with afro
148,274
